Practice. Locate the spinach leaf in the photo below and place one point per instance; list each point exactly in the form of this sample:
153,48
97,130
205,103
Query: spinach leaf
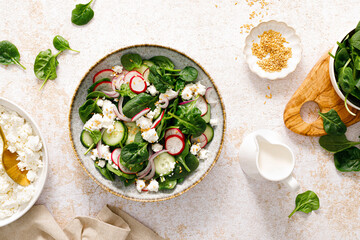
357,27
120,173
97,94
125,91
332,123
104,171
179,85
45,66
167,184
62,44
348,160
188,74
181,157
191,161
87,109
159,82
95,136
186,109
92,87
133,167
355,40
345,78
192,123
9,54
336,144
135,153
82,14
163,62
357,63
131,61
341,57
306,202
139,103
138,138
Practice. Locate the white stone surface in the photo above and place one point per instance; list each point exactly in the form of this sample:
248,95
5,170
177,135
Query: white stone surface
209,32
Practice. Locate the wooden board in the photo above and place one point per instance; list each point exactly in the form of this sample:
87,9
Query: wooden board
316,87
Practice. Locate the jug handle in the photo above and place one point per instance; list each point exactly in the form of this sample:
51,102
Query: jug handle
291,183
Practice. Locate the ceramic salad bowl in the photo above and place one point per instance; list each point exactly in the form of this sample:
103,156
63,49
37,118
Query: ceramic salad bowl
116,187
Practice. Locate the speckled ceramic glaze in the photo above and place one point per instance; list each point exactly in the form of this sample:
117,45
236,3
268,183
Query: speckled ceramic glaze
217,112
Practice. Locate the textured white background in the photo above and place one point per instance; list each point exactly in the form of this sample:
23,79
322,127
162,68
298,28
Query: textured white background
226,204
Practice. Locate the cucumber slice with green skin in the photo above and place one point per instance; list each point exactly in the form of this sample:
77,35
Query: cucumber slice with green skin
141,69
209,133
207,116
132,131
167,184
96,83
148,63
86,139
116,137
157,113
164,164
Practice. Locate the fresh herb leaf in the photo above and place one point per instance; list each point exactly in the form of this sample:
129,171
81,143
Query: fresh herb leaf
355,40
167,184
191,124
306,202
357,27
191,161
135,153
341,57
104,171
82,14
188,74
62,44
125,91
45,66
357,63
9,54
179,85
97,94
332,123
336,144
163,62
131,61
348,160
159,82
139,103
181,157
88,109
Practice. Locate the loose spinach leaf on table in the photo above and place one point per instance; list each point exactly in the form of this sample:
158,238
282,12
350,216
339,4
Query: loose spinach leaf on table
131,61
104,171
87,109
9,54
139,103
62,44
45,66
82,14
348,160
306,202
332,123
135,153
163,62
336,144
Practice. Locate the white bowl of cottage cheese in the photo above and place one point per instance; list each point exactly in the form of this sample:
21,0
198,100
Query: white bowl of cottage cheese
24,138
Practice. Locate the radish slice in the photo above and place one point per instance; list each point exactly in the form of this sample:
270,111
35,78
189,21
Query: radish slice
106,73
115,156
103,86
123,168
140,114
174,131
130,75
157,121
121,116
174,144
98,148
164,102
202,140
117,82
202,105
146,75
210,95
112,94
182,103
137,84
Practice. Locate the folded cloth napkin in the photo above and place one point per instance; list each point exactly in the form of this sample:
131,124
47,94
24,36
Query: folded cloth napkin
110,223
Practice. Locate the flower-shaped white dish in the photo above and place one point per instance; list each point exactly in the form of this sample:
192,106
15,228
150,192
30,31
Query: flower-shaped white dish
293,42
40,181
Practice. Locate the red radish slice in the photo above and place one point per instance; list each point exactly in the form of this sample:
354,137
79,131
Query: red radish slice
115,156
174,144
210,95
164,102
140,114
123,168
157,121
106,73
137,84
130,75
103,86
146,75
112,94
183,103
174,131
201,140
201,105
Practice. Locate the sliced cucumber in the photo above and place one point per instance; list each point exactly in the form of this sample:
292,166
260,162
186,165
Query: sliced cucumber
209,132
141,69
148,63
116,136
207,116
132,131
164,164
96,83
86,139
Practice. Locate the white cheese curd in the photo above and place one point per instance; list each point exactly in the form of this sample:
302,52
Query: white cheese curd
117,69
105,153
150,136
203,154
100,102
94,123
140,185
200,89
22,140
94,154
152,90
157,147
108,116
195,148
152,114
170,94
214,122
186,93
144,123
153,186
101,163
192,90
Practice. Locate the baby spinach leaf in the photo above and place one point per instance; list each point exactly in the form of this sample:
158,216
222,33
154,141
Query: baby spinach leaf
95,136
159,82
135,153
104,171
125,91
306,202
191,161
131,61
82,14
345,79
133,167
181,157
120,173
62,44
357,27
97,94
87,109
167,184
163,62
179,85
336,144
139,103
191,124
357,63
341,57
92,87
348,160
45,66
188,74
355,40
9,54
332,123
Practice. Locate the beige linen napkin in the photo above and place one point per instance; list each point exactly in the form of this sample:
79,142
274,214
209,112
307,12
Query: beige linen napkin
110,223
